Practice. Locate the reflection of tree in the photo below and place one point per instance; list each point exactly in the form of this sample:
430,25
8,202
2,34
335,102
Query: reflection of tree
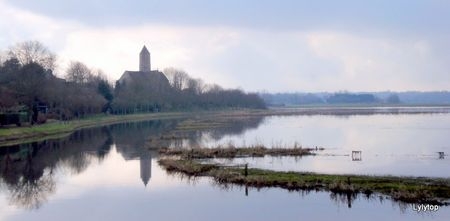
78,162
31,192
106,147
132,138
27,170
236,126
195,137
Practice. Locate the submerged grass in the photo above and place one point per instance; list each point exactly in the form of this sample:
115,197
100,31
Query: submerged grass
405,189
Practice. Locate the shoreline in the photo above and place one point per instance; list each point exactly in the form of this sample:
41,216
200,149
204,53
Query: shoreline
58,129
17,135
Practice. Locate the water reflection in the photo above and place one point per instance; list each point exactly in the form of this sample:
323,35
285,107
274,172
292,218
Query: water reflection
339,199
202,137
96,160
145,167
27,170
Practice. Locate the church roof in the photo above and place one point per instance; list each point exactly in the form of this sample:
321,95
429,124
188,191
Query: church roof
144,50
154,80
140,76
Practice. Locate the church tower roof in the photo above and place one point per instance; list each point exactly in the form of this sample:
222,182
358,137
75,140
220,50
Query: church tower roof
144,60
144,50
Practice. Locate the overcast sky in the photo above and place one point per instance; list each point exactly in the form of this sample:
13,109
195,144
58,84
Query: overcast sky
277,46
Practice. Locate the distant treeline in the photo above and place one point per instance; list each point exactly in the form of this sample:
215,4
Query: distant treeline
375,98
28,82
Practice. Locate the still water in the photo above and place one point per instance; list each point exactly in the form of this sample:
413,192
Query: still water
403,145
108,173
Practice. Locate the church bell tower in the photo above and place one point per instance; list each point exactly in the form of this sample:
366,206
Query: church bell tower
144,60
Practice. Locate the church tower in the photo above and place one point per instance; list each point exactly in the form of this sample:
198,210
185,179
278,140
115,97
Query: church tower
144,60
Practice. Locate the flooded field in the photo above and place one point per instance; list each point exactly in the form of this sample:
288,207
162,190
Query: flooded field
111,172
405,145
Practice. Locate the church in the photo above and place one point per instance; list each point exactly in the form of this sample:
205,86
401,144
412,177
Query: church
154,79
144,90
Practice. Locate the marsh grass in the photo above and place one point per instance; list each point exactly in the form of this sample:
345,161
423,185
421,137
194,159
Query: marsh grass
231,151
404,189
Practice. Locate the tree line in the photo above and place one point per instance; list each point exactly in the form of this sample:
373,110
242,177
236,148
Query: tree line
178,91
325,98
28,81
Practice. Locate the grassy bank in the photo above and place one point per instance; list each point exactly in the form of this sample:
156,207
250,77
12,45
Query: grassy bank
405,189
14,135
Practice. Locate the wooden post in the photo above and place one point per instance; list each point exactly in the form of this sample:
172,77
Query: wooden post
191,154
246,169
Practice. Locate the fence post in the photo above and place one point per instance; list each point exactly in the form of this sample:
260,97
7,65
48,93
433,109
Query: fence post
246,169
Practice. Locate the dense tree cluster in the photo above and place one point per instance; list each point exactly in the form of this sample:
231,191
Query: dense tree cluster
194,93
176,90
27,81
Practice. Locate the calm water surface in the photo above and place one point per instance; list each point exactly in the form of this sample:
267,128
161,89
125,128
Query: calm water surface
404,145
108,173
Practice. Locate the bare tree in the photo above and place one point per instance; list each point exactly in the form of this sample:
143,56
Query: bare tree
196,86
177,78
78,72
214,88
2,59
33,52
99,75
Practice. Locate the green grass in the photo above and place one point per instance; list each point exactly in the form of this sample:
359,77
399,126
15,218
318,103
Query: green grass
13,135
405,189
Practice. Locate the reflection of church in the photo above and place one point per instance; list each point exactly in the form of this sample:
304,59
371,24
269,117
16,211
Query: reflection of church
146,167
131,140
145,160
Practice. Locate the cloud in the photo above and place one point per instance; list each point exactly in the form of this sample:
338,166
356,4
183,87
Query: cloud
117,49
20,25
411,15
383,63
267,47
